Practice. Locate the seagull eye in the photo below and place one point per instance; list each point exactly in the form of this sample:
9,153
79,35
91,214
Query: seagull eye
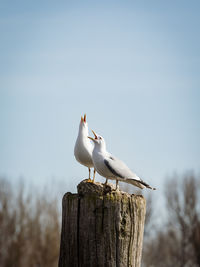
100,138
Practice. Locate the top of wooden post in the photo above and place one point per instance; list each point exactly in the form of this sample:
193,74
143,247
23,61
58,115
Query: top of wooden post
101,226
85,187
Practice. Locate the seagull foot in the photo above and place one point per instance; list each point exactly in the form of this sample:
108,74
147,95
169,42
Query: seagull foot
117,188
106,182
89,180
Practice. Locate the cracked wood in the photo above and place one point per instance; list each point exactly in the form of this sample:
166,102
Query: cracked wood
101,227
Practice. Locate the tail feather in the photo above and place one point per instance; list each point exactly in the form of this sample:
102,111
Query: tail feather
139,183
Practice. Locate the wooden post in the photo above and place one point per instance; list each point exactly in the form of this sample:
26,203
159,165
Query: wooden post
101,227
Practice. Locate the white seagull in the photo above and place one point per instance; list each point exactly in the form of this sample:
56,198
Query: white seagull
112,168
83,148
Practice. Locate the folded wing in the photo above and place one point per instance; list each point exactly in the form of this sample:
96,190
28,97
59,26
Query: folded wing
119,168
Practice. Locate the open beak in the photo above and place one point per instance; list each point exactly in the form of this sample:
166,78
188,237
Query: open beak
83,119
95,136
92,138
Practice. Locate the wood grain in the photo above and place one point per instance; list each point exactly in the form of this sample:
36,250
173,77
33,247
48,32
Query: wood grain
101,227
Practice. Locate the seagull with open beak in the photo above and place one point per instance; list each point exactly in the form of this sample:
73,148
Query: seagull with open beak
111,167
83,147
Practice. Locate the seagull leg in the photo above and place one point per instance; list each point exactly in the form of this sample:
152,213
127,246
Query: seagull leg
94,175
89,180
117,186
106,181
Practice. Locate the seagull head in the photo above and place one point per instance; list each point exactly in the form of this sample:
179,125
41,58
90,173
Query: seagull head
83,122
83,127
98,140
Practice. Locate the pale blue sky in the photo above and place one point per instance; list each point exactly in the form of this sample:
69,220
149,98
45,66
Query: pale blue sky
132,66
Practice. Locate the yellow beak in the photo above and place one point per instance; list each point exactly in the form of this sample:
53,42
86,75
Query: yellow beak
83,119
94,134
91,138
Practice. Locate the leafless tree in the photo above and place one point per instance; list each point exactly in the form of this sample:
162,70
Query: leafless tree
29,227
182,196
177,241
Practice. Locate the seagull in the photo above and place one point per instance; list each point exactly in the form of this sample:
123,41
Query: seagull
83,147
111,167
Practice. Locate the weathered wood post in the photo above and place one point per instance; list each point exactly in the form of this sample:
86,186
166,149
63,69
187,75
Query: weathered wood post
101,227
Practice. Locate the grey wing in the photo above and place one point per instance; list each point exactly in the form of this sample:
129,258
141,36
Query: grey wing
119,168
